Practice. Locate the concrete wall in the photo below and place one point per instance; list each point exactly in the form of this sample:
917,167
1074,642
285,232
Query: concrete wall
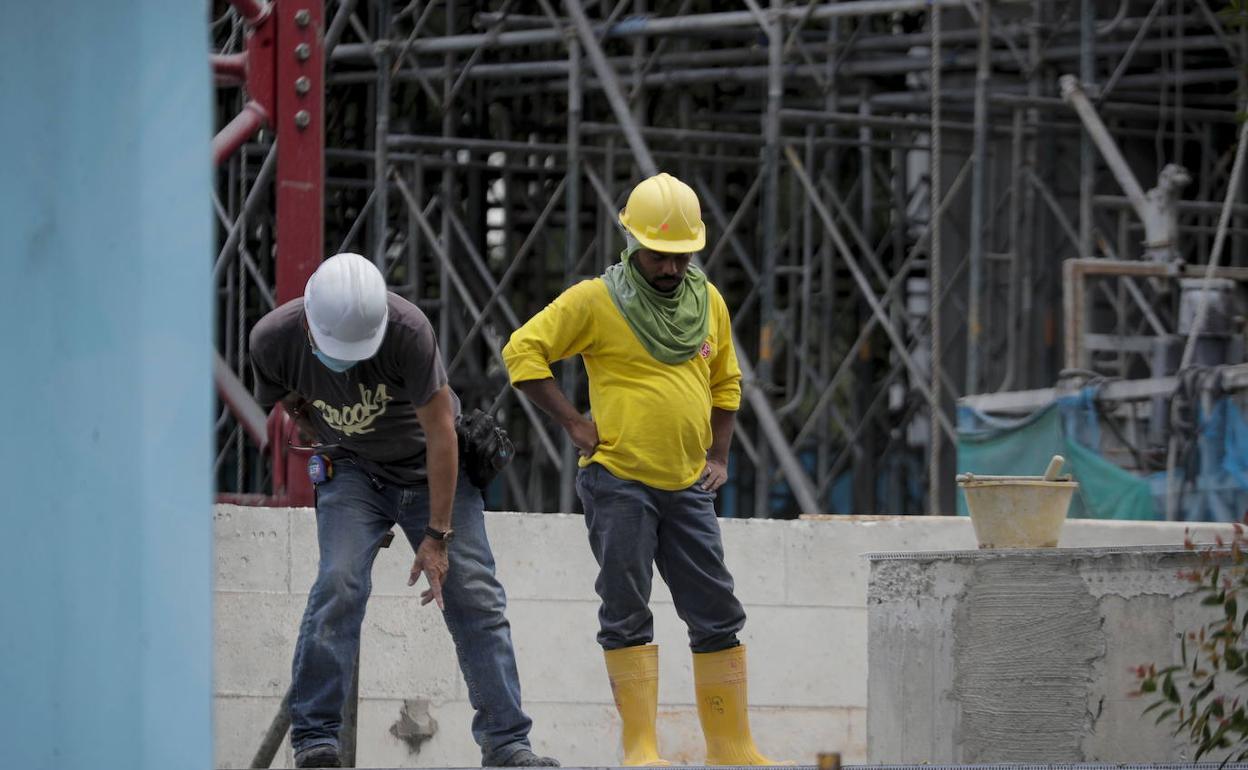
1024,656
804,584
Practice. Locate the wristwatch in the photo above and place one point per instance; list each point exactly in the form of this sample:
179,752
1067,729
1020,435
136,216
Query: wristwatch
438,534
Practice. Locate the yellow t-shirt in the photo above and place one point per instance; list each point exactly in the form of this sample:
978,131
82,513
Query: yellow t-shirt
654,419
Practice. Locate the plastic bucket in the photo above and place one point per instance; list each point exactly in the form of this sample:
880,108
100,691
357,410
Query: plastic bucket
1017,511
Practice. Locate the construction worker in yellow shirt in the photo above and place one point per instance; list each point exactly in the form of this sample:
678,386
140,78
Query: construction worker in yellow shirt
664,388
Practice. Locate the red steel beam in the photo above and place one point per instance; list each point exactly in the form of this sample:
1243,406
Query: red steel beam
299,121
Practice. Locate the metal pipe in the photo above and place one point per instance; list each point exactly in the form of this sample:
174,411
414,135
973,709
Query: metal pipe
240,401
1087,158
979,175
573,248
257,194
273,737
683,69
1219,240
670,25
451,276
935,409
236,133
336,27
505,282
611,88
864,286
1073,93
771,207
381,130
229,69
1130,54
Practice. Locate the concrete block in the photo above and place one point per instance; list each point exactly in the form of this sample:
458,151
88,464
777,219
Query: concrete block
825,558
556,651
240,723
800,734
1030,661
451,746
754,550
1090,533
543,556
255,642
807,656
406,652
1144,633
251,546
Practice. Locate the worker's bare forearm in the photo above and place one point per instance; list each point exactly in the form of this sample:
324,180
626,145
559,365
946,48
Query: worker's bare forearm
437,418
550,399
723,421
442,465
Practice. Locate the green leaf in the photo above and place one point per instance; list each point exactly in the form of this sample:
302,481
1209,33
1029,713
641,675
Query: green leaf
1233,658
1169,690
1211,601
1163,716
1148,685
1232,609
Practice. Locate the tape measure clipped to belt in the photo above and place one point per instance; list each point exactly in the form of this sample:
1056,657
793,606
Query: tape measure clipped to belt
320,468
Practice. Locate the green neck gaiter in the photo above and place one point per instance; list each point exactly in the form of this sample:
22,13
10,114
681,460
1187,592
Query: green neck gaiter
671,327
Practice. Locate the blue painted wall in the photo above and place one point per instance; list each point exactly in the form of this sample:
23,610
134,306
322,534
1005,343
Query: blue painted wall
105,386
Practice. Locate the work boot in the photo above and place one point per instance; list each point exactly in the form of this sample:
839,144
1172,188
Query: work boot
719,680
524,758
320,755
634,675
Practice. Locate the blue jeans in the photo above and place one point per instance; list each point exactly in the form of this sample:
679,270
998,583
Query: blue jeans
633,528
353,513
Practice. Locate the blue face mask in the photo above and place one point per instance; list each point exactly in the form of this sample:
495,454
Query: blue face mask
333,363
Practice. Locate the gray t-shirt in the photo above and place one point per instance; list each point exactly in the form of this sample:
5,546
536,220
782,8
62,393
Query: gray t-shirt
368,412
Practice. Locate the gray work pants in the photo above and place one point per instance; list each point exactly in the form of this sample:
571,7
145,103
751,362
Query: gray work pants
632,528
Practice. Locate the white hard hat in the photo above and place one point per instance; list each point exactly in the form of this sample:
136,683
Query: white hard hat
345,303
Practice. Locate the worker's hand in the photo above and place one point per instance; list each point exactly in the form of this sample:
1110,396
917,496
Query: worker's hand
715,475
584,435
431,560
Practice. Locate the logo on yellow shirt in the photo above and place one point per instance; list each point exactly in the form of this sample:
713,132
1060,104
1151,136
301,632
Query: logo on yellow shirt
706,349
355,419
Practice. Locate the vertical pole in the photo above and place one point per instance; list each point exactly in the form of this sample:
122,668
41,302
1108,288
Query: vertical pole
448,187
381,161
1087,151
349,735
567,466
866,465
771,240
933,404
827,284
979,175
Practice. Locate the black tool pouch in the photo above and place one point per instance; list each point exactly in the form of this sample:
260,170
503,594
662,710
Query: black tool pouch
484,446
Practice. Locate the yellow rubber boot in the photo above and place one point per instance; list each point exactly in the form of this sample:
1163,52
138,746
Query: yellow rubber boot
719,679
634,674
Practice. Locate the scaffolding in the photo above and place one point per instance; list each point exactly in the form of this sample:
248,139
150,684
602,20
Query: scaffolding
479,153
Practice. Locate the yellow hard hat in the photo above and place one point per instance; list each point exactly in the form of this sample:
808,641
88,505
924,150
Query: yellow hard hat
663,214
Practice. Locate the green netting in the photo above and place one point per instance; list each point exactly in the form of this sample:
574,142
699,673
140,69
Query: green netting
1024,447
